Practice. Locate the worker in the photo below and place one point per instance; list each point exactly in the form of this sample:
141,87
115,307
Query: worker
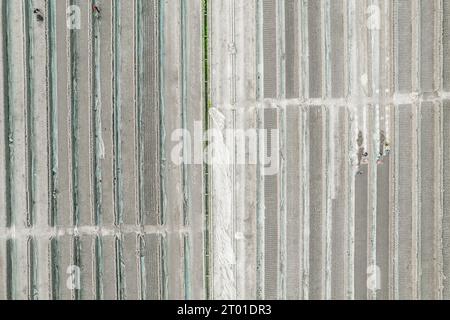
96,11
39,16
387,148
95,8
